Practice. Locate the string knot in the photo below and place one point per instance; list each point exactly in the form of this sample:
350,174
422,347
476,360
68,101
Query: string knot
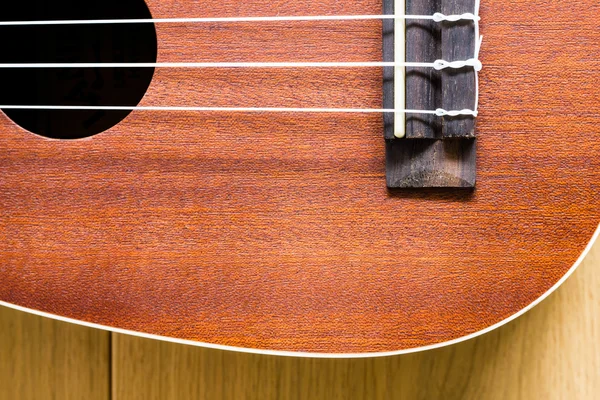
472,62
440,112
439,17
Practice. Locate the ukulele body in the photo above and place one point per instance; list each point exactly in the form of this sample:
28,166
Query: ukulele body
275,232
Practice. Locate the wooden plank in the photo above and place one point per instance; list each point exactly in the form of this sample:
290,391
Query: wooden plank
458,85
552,352
46,359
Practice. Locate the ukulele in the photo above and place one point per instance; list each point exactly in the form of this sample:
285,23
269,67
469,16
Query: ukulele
315,178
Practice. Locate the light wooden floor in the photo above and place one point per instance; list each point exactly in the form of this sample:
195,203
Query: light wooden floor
553,352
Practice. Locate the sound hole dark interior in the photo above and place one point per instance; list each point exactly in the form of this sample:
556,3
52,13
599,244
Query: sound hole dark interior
106,43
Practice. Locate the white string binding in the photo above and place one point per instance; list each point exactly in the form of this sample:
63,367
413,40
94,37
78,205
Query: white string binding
437,17
473,62
479,41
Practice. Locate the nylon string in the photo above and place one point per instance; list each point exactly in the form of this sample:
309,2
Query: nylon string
437,17
437,64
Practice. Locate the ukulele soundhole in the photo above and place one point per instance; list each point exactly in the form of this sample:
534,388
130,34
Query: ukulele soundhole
106,43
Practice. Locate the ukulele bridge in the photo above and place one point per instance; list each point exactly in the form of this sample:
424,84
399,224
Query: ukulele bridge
430,136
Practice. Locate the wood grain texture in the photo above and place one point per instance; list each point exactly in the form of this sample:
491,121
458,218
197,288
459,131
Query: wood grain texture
277,231
551,353
44,359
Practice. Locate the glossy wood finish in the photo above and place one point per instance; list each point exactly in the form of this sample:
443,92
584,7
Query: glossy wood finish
277,231
552,352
